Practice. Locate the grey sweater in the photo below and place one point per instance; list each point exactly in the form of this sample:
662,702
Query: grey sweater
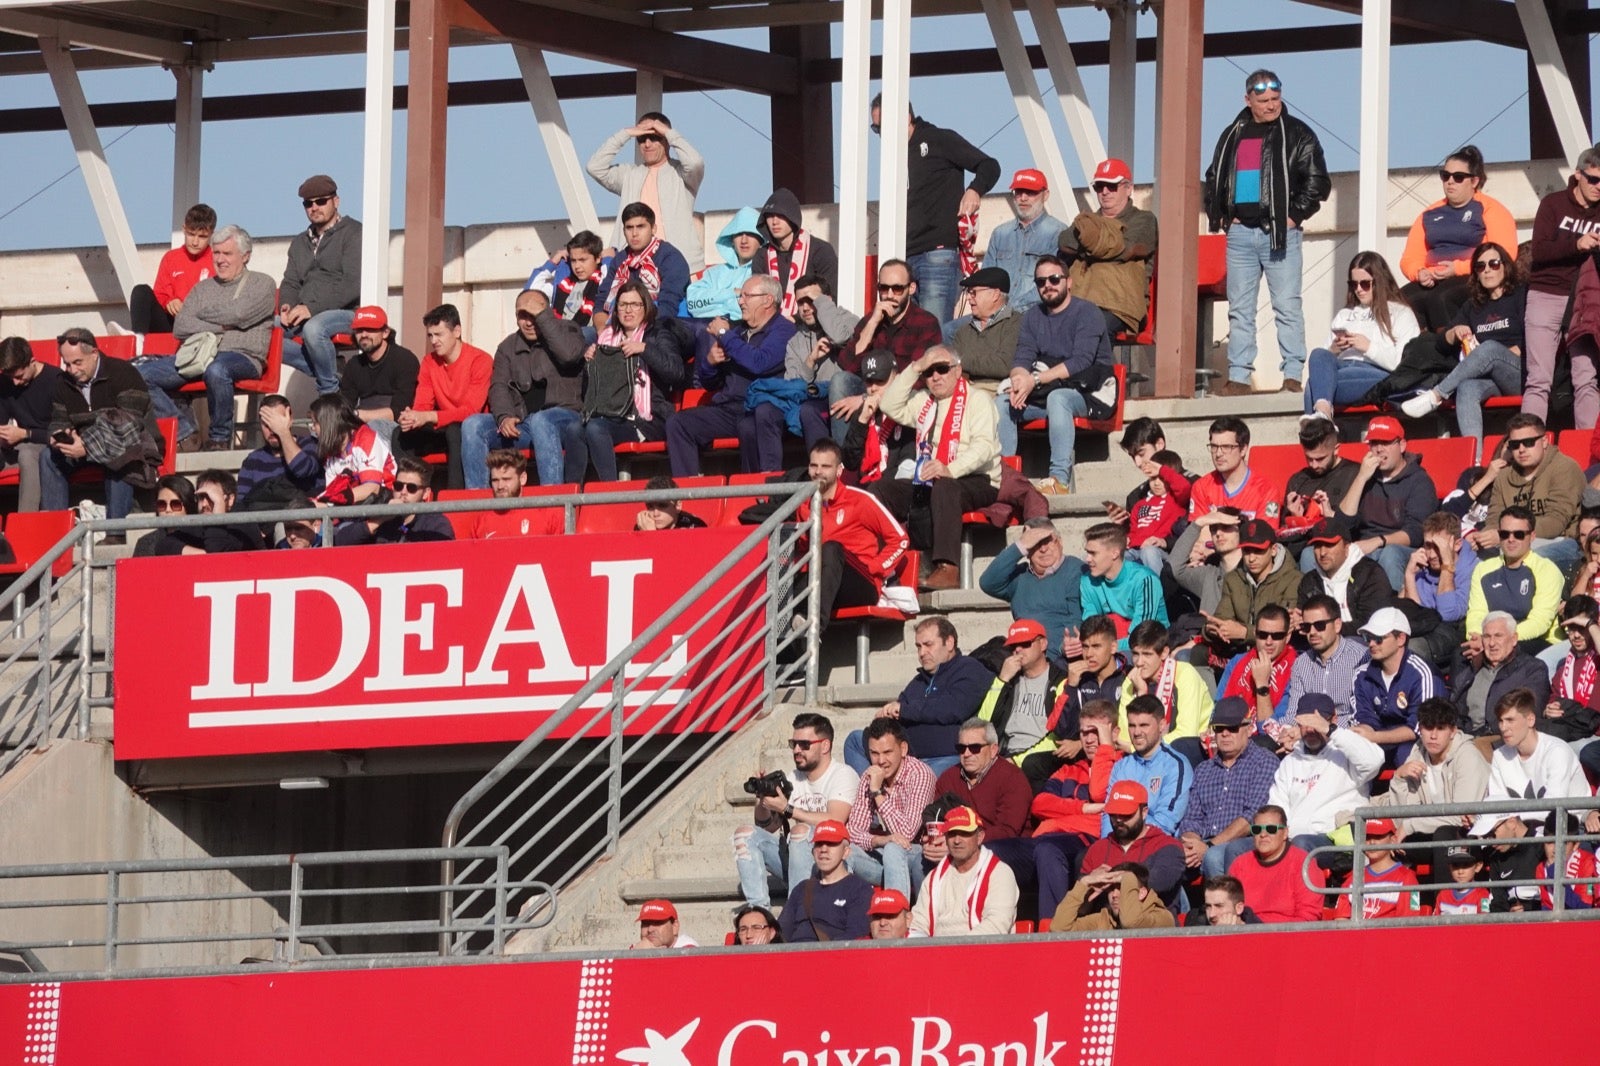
833,322
239,310
327,277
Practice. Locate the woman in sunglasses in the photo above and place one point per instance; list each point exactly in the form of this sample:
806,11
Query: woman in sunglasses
174,496
1366,339
1440,245
1488,330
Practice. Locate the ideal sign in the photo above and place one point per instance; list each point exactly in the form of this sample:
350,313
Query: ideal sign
406,644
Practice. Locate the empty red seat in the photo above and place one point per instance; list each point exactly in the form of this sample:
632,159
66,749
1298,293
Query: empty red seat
32,533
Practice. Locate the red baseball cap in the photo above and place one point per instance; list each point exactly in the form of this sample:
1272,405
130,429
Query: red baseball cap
658,910
370,317
1114,171
1024,631
1383,430
1126,798
1379,827
962,820
1029,180
829,832
888,901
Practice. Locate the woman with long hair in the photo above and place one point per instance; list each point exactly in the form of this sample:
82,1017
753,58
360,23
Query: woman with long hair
357,461
1488,330
1439,247
1366,339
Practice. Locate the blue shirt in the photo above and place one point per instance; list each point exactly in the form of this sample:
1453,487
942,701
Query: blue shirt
1392,706
1223,794
1015,247
1167,776
1452,605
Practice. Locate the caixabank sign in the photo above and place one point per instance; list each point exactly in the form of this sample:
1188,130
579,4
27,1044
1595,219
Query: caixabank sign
407,644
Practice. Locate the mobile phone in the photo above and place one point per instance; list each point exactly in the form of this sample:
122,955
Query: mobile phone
62,436
1110,505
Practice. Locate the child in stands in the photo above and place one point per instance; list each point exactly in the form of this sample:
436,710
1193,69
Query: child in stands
1465,895
1391,888
1580,865
1154,519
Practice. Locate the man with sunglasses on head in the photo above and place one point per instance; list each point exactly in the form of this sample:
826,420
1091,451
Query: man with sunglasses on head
1267,177
895,325
1112,250
1227,789
1566,235
1545,480
667,185
1389,500
820,790
413,484
1271,871
1526,586
1060,373
321,284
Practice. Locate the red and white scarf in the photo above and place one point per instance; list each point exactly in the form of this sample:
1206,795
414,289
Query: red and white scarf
950,433
564,289
967,242
875,457
799,260
616,338
977,895
1575,680
642,263
1166,689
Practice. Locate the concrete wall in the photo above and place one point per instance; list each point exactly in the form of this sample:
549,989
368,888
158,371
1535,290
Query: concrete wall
486,265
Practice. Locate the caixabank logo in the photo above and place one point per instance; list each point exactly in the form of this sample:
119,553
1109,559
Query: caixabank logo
928,1027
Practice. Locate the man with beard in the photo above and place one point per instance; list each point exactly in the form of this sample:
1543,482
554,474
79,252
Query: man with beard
862,544
1016,244
381,381
281,455
1329,665
1329,771
896,325
1063,357
820,790
1118,898
1133,839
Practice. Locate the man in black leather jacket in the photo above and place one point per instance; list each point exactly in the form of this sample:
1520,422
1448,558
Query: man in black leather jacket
1266,178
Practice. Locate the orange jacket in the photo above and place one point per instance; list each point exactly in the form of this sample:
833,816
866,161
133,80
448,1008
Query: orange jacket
1498,226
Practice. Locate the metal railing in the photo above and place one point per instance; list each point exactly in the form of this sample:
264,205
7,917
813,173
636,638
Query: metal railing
1556,884
574,805
152,895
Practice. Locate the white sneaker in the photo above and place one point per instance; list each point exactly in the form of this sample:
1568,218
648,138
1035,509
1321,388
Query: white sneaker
1418,406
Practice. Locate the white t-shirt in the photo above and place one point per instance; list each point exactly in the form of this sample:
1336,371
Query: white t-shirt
838,783
1552,770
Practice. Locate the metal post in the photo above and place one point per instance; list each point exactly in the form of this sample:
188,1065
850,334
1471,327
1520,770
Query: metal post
1373,181
502,875
1124,71
86,657
377,175
1024,84
614,767
46,661
124,254
1558,865
296,885
893,144
1070,94
113,886
571,179
854,76
1358,876
777,594
191,78
1553,76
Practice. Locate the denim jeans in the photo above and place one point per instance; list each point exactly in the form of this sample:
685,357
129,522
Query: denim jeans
1219,857
309,348
855,756
1250,256
56,495
841,385
1491,369
1393,558
595,442
1563,551
541,431
937,274
1060,408
160,372
890,866
1339,381
756,856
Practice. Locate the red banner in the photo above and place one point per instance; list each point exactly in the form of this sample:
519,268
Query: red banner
412,644
1103,1002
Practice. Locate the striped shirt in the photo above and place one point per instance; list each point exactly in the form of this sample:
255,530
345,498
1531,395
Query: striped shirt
1336,677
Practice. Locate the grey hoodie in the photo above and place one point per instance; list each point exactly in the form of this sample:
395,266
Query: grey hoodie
833,322
1462,777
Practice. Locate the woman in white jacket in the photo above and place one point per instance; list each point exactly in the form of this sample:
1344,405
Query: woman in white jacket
1366,339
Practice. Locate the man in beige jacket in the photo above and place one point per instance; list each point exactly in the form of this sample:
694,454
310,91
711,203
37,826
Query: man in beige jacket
1118,898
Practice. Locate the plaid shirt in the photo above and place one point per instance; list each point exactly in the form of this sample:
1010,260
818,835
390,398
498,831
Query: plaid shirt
1221,794
1337,678
906,340
899,811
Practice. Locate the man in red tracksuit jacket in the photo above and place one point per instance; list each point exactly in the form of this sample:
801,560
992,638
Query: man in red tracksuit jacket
862,543
1068,809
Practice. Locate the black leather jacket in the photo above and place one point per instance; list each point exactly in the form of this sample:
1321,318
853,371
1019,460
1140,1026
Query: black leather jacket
1294,176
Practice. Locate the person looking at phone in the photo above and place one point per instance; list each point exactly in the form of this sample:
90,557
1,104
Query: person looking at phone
821,326
1366,339
90,384
1314,491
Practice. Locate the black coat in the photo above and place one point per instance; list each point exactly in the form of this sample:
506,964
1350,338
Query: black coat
1294,175
1368,589
1520,671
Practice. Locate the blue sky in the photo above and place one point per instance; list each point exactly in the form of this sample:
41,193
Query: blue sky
1443,95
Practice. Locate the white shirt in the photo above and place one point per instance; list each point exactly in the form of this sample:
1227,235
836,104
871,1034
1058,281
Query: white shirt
1313,789
837,784
1552,770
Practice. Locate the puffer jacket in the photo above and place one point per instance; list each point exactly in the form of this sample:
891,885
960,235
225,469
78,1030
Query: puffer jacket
1299,175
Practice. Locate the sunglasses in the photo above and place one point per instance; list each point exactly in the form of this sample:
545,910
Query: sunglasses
892,289
1363,284
408,486
801,745
317,202
1049,279
940,368
1307,627
1487,264
970,749
1271,830
1592,179
1267,86
1376,638
1522,442
1570,627
169,505
68,338
1267,634
650,138
1226,728
1107,186
1453,176
1515,534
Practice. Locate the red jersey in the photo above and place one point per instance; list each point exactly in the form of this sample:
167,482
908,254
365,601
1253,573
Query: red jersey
873,542
527,522
1059,807
1579,864
1258,497
179,272
1474,899
1390,893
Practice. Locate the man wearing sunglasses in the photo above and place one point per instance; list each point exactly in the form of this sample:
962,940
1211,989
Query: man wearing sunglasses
1267,177
667,185
1112,250
1566,233
1546,481
1227,789
1526,586
413,484
321,284
1260,676
820,790
1270,871
997,790
896,325
1389,500
1329,665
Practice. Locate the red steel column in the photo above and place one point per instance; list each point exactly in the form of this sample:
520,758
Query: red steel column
428,84
1178,176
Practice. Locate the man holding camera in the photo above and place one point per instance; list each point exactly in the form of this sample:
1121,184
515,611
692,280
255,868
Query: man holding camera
788,805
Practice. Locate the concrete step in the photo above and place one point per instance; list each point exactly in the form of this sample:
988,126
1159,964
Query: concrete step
694,861
707,888
866,697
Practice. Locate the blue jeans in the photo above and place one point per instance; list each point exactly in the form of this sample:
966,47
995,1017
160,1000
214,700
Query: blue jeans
1563,551
1491,369
841,385
1060,408
56,495
541,431
1339,381
756,856
937,274
1250,255
1393,558
309,348
160,372
890,866
1219,857
855,756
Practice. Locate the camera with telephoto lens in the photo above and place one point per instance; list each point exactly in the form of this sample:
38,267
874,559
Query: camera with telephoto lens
769,784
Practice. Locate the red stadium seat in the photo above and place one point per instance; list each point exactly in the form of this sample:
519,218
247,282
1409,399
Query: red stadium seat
32,533
1102,425
619,517
910,569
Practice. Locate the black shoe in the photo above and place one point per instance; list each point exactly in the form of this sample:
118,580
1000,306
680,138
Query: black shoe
113,540
217,446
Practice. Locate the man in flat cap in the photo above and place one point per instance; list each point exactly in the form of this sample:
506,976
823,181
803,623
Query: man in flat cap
321,284
987,338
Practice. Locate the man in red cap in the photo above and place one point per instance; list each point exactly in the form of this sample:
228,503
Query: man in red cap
1389,499
381,381
1016,243
1390,887
1112,251
1133,839
1032,707
890,915
658,927
970,892
832,903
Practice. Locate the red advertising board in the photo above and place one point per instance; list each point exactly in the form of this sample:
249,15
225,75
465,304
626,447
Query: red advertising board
403,645
1328,998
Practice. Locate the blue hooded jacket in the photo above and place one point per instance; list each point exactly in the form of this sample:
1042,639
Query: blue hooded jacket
716,291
